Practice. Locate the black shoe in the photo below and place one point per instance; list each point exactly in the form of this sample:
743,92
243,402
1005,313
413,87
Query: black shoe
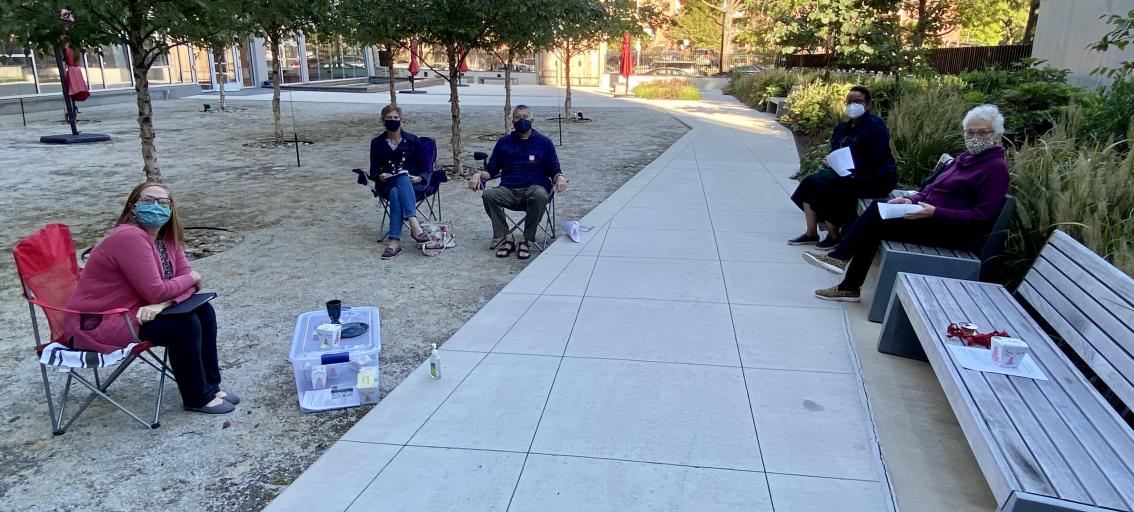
804,240
827,243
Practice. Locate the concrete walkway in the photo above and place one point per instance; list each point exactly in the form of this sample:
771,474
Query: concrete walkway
675,360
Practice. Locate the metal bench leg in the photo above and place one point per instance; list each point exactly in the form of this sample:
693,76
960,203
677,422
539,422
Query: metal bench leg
894,262
898,337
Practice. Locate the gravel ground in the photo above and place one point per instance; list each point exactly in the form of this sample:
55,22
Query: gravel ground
308,236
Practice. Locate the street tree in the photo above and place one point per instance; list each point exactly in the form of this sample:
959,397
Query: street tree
458,26
275,21
581,25
148,29
389,27
521,27
1119,37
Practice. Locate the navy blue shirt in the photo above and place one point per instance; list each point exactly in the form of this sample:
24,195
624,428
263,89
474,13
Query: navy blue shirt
408,155
869,143
521,163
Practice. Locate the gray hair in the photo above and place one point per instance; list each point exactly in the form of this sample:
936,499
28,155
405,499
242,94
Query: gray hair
987,112
519,108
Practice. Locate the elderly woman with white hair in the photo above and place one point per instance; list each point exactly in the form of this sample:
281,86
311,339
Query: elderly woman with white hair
959,207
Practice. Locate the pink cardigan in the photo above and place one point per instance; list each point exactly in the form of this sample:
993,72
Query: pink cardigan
124,271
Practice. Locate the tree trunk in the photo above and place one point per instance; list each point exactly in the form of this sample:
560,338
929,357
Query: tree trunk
454,106
508,91
726,28
145,113
1030,29
222,77
390,71
277,77
567,80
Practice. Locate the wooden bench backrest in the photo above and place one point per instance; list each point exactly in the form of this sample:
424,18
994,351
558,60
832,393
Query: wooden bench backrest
995,240
1090,304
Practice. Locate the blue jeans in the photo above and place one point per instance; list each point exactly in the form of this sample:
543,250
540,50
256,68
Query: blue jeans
403,204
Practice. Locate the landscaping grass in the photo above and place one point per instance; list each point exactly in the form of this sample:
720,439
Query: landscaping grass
675,89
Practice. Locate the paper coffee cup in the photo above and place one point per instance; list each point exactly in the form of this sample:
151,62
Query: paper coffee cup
1008,352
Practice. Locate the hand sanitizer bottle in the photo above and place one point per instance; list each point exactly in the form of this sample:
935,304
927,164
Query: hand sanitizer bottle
434,363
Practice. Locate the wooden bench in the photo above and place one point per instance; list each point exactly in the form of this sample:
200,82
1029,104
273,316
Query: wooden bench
500,79
777,105
1043,446
938,261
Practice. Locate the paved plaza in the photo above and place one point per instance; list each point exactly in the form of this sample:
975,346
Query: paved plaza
673,360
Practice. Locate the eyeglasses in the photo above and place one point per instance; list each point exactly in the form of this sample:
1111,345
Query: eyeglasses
164,201
979,133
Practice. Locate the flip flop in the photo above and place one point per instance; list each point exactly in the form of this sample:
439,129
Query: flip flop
505,249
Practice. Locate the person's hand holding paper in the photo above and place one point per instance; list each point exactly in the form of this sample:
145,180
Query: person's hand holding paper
841,161
898,210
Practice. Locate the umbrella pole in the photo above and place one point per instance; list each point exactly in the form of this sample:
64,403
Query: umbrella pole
71,116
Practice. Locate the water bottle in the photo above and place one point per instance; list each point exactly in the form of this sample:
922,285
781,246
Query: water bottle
434,363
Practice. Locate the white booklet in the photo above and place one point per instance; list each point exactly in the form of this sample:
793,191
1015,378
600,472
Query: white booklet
841,161
897,211
980,359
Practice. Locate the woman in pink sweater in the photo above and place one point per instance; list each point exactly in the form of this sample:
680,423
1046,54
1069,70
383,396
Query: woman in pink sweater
141,265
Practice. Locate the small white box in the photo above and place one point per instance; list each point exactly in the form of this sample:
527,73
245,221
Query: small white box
318,377
367,385
1008,352
329,335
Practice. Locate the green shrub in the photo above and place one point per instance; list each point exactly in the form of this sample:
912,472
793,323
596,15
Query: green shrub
815,155
922,126
1080,186
1031,98
1108,112
675,89
815,106
754,89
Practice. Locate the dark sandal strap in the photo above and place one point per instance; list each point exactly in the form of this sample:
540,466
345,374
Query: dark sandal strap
524,251
505,249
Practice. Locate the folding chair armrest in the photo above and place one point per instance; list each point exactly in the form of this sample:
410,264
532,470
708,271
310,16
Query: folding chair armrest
53,307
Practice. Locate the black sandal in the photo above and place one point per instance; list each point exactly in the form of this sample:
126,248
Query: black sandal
391,253
505,249
524,252
421,238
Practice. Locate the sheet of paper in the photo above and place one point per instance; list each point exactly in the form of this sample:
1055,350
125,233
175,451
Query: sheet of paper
897,211
980,359
334,397
841,161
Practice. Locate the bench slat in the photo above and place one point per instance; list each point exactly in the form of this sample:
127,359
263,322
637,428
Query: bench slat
1090,304
1031,432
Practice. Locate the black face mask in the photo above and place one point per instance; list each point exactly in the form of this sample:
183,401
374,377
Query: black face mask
522,125
392,124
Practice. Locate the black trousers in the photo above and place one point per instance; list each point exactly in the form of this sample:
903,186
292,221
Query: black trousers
191,342
835,199
859,244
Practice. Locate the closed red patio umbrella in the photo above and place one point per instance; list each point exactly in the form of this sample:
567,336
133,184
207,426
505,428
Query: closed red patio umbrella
627,65
414,65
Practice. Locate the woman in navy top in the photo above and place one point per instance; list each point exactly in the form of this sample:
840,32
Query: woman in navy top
829,198
397,164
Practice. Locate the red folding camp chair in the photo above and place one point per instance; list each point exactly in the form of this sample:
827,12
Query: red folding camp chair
49,273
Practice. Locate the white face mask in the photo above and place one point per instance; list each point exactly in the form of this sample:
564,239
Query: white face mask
854,110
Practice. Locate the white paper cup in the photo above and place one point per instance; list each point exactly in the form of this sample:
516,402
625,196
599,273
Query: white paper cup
1008,352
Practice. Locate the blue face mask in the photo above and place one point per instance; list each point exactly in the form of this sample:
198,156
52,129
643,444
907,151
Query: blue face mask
522,125
152,216
392,125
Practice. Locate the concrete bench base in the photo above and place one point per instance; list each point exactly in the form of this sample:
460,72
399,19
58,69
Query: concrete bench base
489,79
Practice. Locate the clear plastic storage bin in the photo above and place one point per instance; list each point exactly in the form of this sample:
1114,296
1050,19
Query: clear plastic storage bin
333,367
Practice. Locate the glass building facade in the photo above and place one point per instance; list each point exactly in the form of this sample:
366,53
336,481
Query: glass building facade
105,67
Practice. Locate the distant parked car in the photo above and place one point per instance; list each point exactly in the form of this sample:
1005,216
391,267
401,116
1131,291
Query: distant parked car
666,72
748,69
